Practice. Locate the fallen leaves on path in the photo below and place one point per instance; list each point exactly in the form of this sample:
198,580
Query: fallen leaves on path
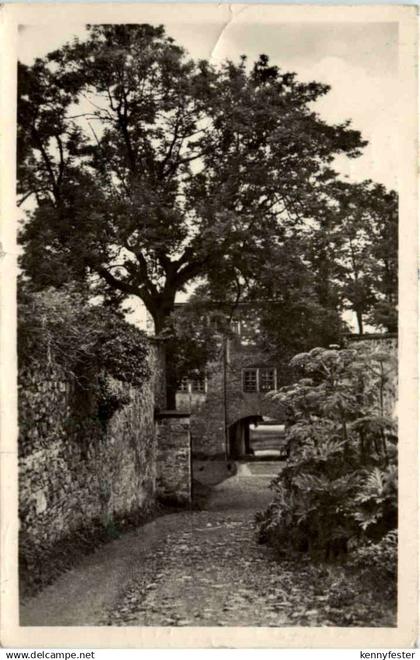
210,571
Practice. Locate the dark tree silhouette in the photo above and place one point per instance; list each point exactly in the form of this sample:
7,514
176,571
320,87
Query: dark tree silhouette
150,170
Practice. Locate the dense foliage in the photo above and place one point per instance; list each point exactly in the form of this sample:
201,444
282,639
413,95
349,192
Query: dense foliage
292,313
149,170
193,337
345,257
354,251
337,493
88,343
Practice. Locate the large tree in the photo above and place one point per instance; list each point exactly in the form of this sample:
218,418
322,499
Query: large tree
344,257
355,251
150,170
280,295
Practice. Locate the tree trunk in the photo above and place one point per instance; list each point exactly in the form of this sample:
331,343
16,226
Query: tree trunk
161,313
359,317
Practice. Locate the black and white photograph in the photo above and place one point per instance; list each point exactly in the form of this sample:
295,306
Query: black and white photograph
207,249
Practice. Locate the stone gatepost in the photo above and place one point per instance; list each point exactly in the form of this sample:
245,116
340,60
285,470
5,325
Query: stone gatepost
173,469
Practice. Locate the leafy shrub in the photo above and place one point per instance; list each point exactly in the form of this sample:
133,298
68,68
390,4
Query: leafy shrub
61,325
88,342
338,490
381,556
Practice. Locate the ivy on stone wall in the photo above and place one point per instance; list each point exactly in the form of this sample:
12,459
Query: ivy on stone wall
89,343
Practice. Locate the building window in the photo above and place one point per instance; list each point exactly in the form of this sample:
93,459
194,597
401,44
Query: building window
198,384
267,380
183,386
250,380
262,379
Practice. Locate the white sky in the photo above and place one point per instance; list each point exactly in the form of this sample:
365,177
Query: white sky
358,60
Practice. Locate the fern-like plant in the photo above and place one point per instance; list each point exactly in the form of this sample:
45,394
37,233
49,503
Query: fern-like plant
338,489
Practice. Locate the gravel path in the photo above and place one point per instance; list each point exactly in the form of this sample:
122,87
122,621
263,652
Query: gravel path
209,571
186,568
198,568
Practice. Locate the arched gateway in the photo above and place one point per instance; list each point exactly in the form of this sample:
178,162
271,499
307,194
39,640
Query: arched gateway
232,394
256,437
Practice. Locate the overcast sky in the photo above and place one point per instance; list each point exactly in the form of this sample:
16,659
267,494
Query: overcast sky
359,61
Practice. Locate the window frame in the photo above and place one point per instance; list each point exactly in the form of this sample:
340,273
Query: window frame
257,371
200,380
274,379
184,386
246,371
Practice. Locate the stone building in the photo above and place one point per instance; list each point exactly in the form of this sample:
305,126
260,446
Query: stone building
234,394
231,396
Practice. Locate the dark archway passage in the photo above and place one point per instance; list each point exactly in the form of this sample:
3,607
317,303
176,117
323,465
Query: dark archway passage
239,437
256,437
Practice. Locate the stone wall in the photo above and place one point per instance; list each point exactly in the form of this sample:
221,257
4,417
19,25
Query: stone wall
174,474
75,473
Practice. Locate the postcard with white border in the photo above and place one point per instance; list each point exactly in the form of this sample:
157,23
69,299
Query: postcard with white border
208,326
